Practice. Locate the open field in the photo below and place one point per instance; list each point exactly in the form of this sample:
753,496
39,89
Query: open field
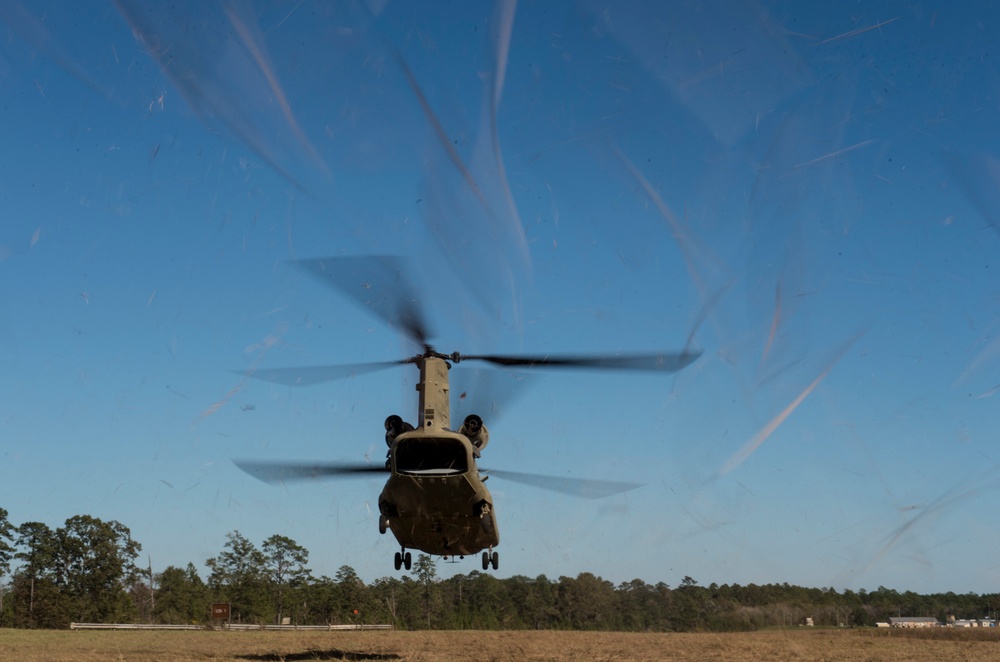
799,644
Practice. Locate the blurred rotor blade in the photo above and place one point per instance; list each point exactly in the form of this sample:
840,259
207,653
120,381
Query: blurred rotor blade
236,89
658,362
381,283
485,391
317,374
281,472
588,488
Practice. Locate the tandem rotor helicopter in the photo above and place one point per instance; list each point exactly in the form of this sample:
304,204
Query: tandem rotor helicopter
435,499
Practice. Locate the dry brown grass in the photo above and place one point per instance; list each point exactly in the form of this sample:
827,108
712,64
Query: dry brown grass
515,646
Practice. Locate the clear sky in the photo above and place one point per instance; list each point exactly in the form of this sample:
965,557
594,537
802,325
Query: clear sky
805,191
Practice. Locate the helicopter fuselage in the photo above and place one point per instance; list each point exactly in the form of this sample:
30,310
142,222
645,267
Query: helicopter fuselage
435,500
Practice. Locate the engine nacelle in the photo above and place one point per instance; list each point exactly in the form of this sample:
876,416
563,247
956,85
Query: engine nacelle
476,432
395,426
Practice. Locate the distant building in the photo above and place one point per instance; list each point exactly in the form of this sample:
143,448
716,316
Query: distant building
974,623
914,622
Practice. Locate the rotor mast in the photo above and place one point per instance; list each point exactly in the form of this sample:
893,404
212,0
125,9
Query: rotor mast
435,406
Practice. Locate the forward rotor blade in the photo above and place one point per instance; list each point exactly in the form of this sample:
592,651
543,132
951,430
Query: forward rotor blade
658,362
486,391
309,375
380,283
281,472
588,488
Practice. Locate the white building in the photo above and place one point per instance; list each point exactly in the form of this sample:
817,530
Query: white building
914,622
974,623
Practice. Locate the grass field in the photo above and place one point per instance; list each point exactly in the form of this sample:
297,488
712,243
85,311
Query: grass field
516,646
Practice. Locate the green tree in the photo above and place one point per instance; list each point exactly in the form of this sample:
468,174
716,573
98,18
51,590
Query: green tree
405,597
352,594
386,598
484,594
6,554
586,603
321,599
687,604
285,565
36,598
425,571
94,563
182,596
6,543
638,607
238,576
543,612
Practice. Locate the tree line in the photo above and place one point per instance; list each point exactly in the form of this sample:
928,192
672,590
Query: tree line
87,571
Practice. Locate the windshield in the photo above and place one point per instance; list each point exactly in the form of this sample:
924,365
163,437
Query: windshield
431,456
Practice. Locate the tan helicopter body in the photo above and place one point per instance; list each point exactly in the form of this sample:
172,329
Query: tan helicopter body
435,498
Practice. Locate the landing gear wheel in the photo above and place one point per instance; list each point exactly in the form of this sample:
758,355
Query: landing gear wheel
383,525
398,561
407,560
495,560
486,560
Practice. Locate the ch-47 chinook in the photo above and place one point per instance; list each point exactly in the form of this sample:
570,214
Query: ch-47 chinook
435,499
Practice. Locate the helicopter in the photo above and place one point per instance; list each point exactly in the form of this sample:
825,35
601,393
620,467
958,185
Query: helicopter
435,498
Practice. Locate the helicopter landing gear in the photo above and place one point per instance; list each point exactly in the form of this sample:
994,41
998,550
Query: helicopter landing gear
491,559
383,525
403,560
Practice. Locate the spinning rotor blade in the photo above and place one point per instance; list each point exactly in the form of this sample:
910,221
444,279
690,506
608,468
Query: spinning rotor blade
281,472
379,283
486,391
658,362
587,488
308,375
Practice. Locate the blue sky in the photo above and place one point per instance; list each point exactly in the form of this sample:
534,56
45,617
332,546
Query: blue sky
808,194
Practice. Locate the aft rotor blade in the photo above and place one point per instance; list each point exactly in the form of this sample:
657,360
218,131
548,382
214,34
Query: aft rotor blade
317,374
656,362
281,472
380,283
587,488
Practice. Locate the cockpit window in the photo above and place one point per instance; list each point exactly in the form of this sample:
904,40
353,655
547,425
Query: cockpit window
431,456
